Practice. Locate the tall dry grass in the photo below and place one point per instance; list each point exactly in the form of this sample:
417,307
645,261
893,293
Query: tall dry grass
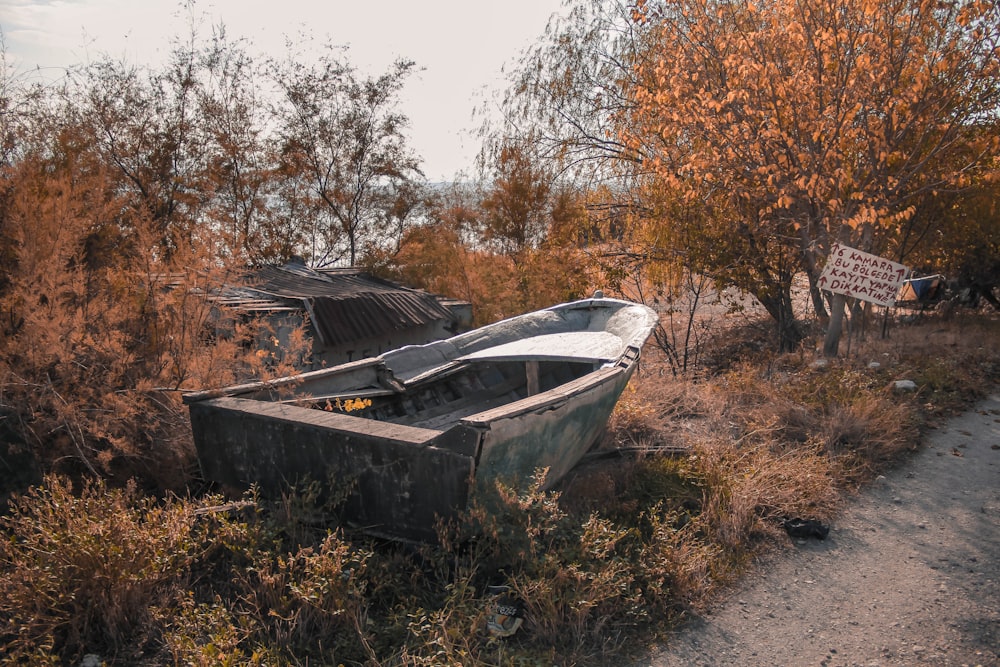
785,436
692,484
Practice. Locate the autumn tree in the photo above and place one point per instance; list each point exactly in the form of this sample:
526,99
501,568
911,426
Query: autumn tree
789,125
453,251
343,136
967,244
145,123
566,99
517,203
242,183
436,255
567,91
110,233
10,98
806,122
95,332
559,269
191,147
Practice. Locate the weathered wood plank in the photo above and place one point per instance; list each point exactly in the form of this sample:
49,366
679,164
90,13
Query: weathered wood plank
330,420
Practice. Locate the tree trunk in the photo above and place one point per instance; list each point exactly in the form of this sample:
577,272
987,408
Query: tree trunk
831,344
812,273
779,306
819,307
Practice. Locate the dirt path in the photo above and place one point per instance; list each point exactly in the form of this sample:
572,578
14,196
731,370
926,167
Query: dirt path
909,575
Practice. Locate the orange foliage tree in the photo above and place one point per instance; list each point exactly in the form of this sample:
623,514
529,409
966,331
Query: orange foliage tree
515,209
435,256
110,244
800,123
508,248
967,249
128,194
98,322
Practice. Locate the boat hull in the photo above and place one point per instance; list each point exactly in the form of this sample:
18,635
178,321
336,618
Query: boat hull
397,480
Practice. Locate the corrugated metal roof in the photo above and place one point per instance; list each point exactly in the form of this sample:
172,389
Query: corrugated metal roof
340,320
344,305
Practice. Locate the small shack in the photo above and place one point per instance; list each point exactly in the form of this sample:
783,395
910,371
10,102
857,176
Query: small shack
349,314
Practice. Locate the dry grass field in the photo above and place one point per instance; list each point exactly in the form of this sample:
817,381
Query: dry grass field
692,484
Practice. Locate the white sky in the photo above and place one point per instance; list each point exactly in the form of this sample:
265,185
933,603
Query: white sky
461,44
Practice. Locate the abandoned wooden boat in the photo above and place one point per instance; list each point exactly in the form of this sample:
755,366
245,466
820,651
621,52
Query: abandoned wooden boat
417,431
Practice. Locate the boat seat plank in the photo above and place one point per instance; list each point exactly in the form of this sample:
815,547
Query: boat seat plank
443,421
321,418
470,403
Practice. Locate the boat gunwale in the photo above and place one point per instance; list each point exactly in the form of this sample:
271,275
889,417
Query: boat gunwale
387,377
281,382
334,421
364,425
549,398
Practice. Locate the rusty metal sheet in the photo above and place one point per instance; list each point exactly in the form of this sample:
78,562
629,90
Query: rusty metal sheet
344,305
339,320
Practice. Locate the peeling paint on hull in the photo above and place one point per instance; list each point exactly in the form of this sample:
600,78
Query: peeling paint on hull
445,420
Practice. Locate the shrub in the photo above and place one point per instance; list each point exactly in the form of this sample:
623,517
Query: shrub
86,572
584,581
309,603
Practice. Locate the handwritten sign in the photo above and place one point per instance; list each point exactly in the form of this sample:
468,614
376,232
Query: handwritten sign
861,275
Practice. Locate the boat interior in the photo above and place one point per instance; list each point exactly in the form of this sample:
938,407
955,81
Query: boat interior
440,399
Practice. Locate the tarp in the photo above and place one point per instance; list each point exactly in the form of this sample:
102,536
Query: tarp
924,289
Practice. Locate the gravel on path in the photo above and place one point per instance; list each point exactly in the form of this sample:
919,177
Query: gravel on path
909,574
